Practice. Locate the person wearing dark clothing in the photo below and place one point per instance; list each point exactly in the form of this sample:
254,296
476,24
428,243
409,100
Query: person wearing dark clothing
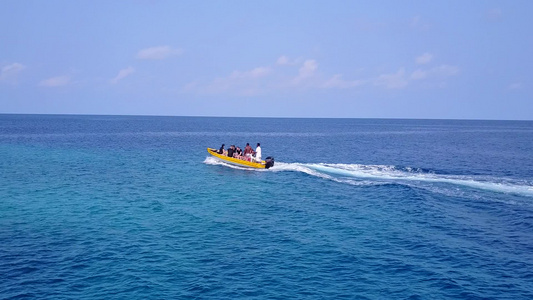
231,150
221,150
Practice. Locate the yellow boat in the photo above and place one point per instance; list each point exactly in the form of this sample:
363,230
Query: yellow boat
264,164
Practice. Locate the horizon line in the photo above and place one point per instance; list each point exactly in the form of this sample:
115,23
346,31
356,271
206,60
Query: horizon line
261,117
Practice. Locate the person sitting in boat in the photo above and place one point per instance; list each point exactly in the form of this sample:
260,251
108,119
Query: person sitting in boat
221,150
231,151
238,153
258,153
248,151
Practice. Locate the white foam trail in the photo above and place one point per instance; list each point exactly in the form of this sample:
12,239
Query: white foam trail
356,174
391,173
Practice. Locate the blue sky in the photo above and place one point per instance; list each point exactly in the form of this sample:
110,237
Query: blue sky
356,59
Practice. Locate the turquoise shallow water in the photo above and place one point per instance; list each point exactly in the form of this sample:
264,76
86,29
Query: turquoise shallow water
132,207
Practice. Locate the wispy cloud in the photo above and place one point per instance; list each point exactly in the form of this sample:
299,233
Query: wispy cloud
238,82
261,79
55,81
419,74
278,76
307,70
11,71
445,71
254,73
424,58
286,61
417,23
158,53
438,72
283,60
396,80
122,74
337,82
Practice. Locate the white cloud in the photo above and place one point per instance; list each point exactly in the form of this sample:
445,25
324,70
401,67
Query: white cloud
337,82
55,81
308,68
254,73
160,52
286,61
424,59
122,74
419,74
280,76
261,79
436,74
283,60
11,71
191,86
396,80
238,82
305,73
418,24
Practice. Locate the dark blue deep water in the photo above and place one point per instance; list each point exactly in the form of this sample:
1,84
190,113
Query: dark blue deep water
117,207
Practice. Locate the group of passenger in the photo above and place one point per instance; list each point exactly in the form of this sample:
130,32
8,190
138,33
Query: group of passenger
247,154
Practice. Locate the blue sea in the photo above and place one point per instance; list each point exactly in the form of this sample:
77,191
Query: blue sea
133,207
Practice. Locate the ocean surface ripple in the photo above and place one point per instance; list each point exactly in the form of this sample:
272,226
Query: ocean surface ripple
104,207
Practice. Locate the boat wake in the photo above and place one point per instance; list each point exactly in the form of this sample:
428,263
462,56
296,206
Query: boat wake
357,174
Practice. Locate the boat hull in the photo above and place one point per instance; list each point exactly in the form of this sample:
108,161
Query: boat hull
236,161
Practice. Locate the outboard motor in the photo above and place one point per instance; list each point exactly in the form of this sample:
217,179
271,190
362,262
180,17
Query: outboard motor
269,162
